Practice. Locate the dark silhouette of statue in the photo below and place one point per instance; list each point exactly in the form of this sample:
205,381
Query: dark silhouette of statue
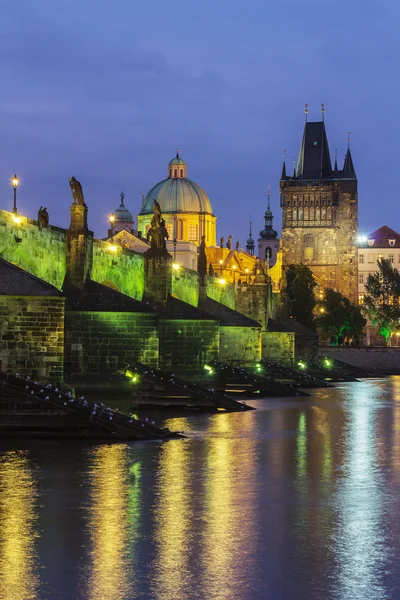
158,233
229,242
202,261
43,217
77,192
237,245
221,242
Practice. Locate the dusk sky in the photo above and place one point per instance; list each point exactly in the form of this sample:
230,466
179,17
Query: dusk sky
107,90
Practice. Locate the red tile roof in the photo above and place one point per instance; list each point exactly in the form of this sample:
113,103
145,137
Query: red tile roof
382,236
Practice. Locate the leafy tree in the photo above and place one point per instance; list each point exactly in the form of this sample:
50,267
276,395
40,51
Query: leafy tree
339,318
300,285
382,302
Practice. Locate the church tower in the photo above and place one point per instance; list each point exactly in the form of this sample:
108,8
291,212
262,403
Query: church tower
320,213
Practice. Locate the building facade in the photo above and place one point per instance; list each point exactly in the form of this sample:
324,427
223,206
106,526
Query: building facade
187,211
382,243
320,214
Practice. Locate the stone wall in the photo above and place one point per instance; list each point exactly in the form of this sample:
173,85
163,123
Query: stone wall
121,269
240,346
32,335
376,360
279,346
185,346
223,293
41,252
186,285
103,342
255,301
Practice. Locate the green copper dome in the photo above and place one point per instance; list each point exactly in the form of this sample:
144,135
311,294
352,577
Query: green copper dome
122,213
177,193
177,160
175,196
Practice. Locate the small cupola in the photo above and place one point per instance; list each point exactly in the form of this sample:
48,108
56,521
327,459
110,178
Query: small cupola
177,168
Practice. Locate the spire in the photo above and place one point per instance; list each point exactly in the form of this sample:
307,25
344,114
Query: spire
294,167
268,233
250,242
335,168
283,175
314,160
348,167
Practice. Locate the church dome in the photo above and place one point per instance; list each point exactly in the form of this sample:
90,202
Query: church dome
177,194
122,213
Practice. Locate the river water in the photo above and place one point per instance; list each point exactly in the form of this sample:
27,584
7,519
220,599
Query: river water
299,499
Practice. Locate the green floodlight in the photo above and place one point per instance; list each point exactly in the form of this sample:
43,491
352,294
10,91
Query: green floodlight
327,363
301,364
209,369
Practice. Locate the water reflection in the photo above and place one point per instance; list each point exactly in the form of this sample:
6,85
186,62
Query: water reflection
174,513
111,503
19,569
230,531
360,537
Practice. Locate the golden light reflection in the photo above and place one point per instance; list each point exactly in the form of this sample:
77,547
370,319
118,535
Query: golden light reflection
228,538
173,520
19,578
110,576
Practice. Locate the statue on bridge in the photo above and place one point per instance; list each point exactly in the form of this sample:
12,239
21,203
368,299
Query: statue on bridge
43,217
77,192
229,242
158,233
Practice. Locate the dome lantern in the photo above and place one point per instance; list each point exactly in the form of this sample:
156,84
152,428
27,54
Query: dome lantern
177,168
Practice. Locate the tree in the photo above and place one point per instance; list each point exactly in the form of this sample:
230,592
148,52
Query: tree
382,302
339,318
300,285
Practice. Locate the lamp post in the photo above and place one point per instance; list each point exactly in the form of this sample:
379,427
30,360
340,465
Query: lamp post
15,182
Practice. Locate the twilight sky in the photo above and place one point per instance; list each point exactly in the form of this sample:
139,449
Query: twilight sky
106,90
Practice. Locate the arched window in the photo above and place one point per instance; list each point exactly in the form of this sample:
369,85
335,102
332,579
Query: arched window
181,172
175,172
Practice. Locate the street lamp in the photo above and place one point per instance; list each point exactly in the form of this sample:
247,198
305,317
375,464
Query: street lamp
15,182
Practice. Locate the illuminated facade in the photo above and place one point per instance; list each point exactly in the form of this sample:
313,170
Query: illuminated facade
320,214
187,211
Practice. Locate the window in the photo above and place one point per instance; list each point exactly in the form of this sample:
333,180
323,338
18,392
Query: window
361,278
360,298
371,258
370,242
391,258
175,172
193,232
361,258
392,243
181,172
179,234
380,256
170,230
308,253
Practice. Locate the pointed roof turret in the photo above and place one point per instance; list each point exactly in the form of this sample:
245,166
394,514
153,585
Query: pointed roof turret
348,167
314,159
283,175
250,243
268,233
